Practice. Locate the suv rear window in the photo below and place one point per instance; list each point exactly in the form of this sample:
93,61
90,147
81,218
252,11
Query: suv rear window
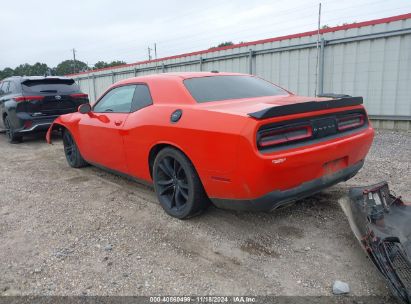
216,88
51,85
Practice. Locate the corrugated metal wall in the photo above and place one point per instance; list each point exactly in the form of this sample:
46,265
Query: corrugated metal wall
373,61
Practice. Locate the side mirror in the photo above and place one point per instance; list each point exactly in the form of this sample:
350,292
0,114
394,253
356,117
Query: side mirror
84,108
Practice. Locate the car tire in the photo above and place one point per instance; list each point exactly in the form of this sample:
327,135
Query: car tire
73,156
12,137
177,185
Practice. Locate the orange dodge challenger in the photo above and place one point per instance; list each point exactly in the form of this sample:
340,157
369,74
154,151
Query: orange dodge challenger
233,139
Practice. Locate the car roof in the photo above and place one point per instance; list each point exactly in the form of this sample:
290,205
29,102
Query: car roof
185,75
158,82
24,78
177,75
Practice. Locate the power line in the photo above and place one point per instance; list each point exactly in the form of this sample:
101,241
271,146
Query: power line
299,8
166,46
252,28
207,20
261,34
175,40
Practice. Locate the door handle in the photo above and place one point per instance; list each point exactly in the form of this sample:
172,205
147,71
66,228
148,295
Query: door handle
118,122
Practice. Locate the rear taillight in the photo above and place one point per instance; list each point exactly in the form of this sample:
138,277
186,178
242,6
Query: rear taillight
28,98
284,135
79,95
350,121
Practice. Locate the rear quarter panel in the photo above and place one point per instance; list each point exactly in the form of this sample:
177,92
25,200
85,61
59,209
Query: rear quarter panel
209,139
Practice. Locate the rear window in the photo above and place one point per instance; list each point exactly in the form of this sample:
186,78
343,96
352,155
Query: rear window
50,86
216,88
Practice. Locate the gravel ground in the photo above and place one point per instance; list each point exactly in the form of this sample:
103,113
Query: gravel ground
67,231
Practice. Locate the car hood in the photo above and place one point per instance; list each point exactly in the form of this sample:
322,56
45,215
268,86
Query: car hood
249,105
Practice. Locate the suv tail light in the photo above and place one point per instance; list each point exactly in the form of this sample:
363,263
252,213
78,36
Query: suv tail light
284,135
350,121
27,98
80,95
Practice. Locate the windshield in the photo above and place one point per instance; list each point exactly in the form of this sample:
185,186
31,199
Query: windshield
50,85
216,88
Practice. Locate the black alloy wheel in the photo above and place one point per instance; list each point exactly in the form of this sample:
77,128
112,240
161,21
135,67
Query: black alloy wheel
72,152
177,184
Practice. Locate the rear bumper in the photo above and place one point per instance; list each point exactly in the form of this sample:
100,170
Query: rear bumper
275,199
28,124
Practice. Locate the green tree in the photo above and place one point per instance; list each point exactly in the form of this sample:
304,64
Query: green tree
102,64
22,69
116,63
99,65
226,43
67,67
37,69
63,68
40,69
326,26
6,72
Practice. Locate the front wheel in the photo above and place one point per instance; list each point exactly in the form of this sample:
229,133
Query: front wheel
177,185
72,152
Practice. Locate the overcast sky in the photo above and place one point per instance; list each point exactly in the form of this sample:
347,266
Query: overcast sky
46,30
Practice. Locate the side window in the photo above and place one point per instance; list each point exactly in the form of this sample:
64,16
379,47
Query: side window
5,88
118,100
142,98
12,88
1,91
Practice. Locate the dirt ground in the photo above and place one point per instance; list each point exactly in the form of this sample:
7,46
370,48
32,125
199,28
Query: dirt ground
70,231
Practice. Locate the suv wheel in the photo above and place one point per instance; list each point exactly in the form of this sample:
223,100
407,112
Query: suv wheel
11,135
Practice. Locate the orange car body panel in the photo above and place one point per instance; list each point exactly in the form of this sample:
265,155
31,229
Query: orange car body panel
218,137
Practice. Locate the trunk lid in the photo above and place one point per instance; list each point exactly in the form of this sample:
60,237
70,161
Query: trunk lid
51,105
271,106
249,105
48,105
50,96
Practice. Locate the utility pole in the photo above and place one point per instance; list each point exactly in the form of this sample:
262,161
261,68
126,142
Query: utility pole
155,54
149,53
74,61
318,49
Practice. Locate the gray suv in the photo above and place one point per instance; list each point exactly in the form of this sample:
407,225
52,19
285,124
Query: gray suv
30,104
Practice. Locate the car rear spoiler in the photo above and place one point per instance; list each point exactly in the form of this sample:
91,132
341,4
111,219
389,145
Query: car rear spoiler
308,106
